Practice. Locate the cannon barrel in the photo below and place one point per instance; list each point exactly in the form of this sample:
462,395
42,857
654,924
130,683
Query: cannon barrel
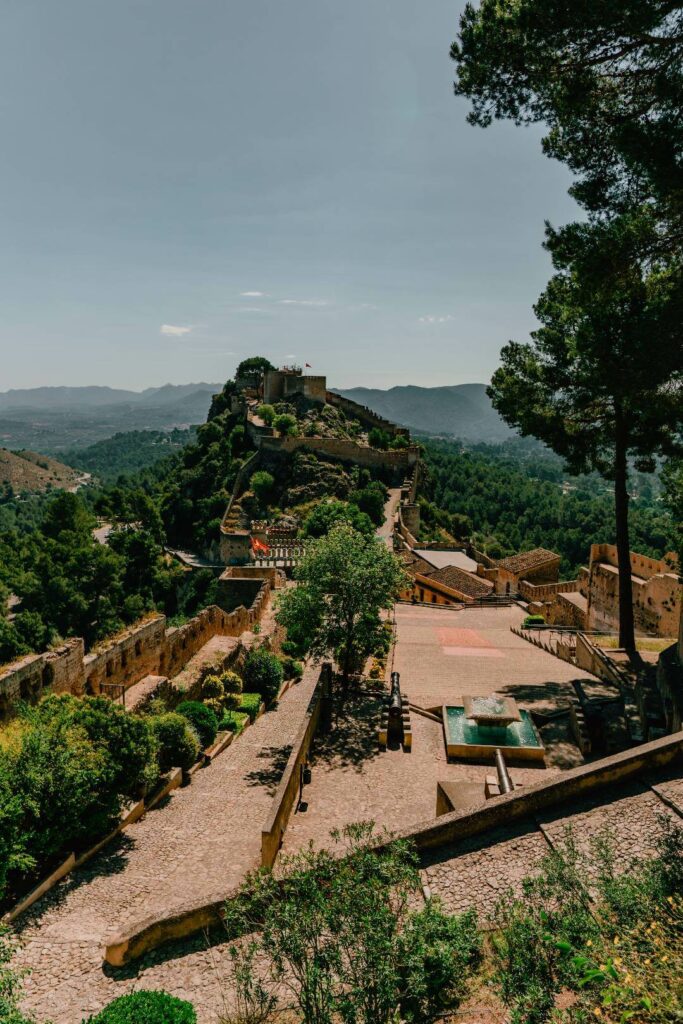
504,781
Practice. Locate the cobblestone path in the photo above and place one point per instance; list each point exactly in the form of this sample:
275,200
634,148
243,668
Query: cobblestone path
476,872
194,847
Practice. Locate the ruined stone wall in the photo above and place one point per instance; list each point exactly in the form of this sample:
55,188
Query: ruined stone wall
126,658
27,679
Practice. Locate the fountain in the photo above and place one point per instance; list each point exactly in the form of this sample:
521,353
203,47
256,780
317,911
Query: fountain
475,729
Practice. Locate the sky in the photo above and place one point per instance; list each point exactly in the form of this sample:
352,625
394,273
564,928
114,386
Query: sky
184,183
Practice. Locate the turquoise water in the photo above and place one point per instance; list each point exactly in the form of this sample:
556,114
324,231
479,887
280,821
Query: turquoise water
464,730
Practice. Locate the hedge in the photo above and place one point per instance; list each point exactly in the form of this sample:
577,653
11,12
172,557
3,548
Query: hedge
145,1007
202,718
250,703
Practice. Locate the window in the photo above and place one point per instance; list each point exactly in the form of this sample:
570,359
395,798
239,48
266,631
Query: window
138,648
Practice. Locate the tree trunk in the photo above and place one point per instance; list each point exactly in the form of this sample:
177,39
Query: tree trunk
621,500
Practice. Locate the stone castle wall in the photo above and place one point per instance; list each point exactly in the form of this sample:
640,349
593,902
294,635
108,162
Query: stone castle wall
656,593
345,450
365,415
146,648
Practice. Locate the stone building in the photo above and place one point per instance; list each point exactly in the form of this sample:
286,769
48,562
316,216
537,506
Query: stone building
539,566
279,385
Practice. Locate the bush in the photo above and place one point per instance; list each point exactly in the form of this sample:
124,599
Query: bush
202,718
234,721
263,673
178,741
63,779
286,425
437,951
232,683
262,484
267,413
533,620
212,687
145,1008
292,669
250,703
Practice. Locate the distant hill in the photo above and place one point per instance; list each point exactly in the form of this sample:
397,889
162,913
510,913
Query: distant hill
28,471
97,396
463,410
61,418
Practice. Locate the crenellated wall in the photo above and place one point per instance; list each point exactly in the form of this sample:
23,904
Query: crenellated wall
146,648
345,450
656,592
365,415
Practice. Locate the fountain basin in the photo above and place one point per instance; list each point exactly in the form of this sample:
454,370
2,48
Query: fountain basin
474,740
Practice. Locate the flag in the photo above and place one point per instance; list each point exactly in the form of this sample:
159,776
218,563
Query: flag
309,366
258,547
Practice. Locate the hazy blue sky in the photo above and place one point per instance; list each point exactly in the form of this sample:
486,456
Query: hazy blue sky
185,182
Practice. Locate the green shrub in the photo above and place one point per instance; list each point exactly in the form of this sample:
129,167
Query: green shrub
437,952
178,741
286,424
263,673
212,687
10,983
250,704
145,1008
63,779
234,721
202,718
232,683
292,669
533,620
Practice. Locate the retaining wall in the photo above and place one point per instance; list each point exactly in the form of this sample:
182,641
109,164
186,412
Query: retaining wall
521,803
285,797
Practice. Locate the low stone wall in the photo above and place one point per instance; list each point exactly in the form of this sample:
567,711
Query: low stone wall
521,803
546,591
285,797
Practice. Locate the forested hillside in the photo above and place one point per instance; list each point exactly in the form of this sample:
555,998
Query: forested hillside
513,499
128,452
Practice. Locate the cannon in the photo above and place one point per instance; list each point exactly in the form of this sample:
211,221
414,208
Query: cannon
395,722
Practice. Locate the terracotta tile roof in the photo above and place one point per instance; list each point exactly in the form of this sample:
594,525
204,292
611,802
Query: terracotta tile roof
458,579
518,564
415,564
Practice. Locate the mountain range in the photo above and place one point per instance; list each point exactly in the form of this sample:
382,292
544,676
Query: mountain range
54,419
463,410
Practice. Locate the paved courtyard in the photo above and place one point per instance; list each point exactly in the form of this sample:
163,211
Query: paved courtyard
443,654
